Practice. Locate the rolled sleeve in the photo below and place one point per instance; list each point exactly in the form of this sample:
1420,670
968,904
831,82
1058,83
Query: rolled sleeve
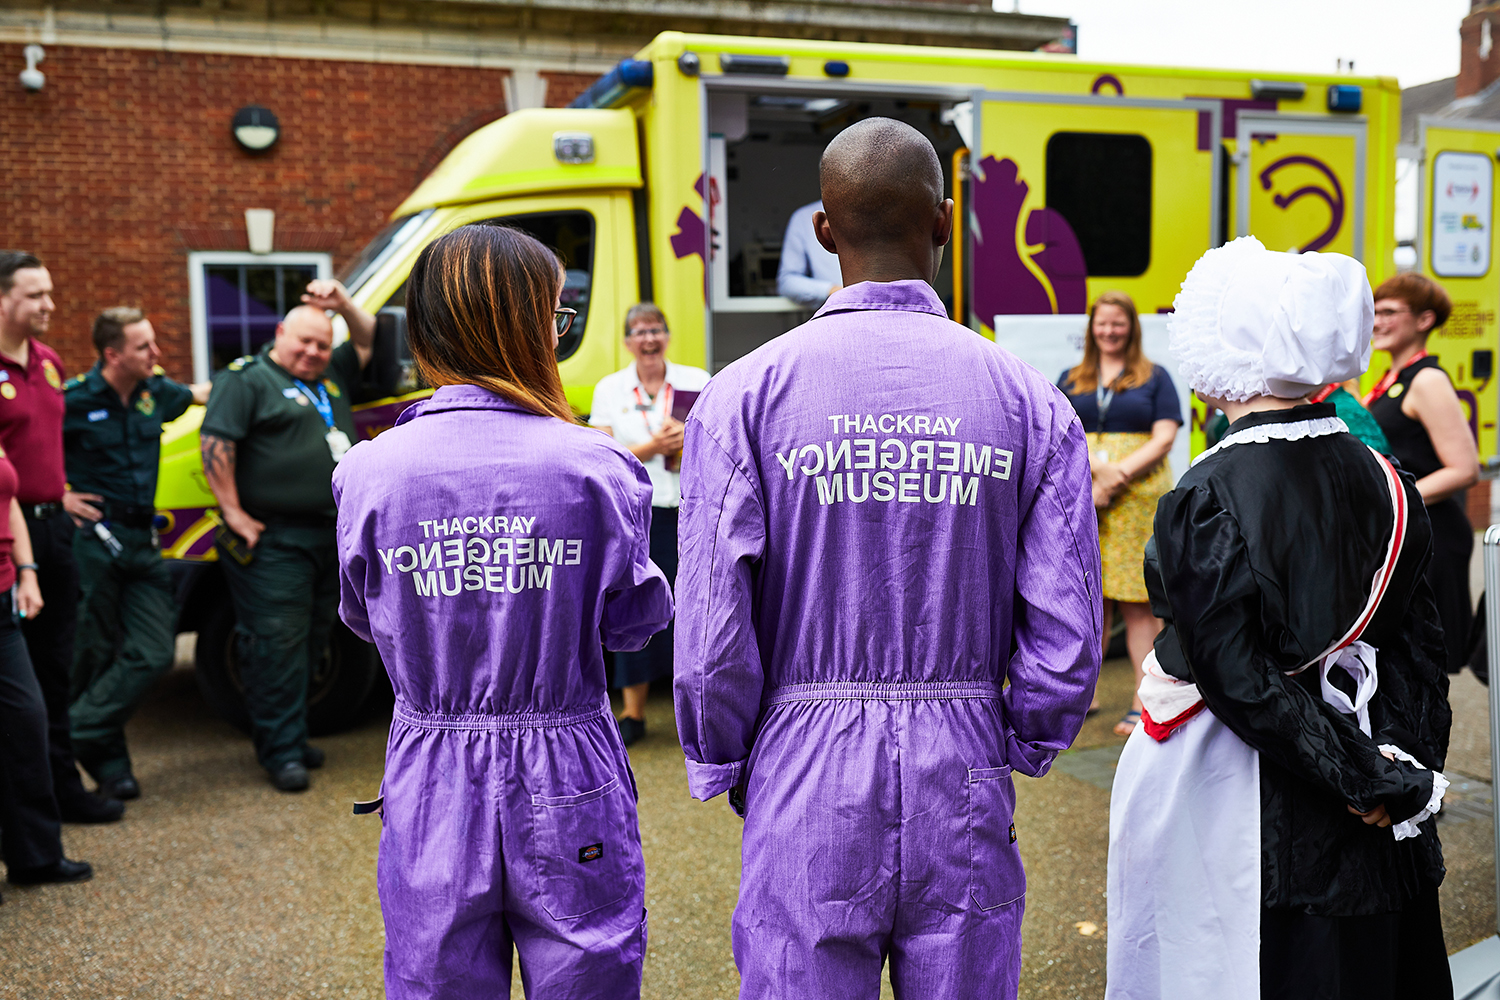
719,673
1058,612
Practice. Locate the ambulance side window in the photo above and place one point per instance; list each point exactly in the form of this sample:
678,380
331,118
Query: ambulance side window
571,234
1101,183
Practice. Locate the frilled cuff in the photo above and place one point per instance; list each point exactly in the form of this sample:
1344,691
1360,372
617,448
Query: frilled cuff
1408,828
708,780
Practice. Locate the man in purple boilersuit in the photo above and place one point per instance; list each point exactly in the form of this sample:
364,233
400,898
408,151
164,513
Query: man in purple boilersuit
885,519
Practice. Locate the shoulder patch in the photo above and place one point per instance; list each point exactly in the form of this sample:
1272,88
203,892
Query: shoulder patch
158,370
239,363
74,382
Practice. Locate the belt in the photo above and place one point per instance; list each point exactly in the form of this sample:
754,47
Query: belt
42,511
876,691
130,515
511,720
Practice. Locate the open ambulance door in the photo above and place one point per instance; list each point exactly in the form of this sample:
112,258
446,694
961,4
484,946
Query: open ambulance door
1299,182
1075,195
1456,236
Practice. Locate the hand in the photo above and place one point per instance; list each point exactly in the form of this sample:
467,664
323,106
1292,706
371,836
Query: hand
327,293
245,526
1101,498
81,507
668,440
1375,817
28,594
1110,478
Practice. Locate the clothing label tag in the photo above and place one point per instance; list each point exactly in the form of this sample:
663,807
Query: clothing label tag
292,393
593,852
1013,833
338,443
97,415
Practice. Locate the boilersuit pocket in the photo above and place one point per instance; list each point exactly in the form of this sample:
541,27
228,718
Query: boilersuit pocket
583,849
995,873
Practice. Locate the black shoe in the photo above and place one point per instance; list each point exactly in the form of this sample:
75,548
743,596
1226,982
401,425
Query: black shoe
291,777
86,807
122,788
58,872
632,730
312,758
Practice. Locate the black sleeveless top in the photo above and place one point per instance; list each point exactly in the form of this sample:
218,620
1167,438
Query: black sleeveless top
1408,438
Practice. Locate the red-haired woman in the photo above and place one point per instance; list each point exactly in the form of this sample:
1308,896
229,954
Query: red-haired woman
487,543
1418,410
1131,413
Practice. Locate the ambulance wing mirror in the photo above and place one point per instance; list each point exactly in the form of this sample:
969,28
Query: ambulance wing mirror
390,364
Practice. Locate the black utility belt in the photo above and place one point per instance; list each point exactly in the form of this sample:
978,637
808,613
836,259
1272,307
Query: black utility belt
130,515
42,511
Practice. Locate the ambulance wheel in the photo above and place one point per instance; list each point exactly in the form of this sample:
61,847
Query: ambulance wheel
338,691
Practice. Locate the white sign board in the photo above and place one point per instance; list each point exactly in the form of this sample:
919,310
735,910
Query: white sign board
1462,212
1053,344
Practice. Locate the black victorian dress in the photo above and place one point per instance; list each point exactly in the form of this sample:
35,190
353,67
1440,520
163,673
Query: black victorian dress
1452,535
1263,557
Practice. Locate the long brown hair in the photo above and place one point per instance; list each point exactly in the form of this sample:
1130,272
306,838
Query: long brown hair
1084,376
479,312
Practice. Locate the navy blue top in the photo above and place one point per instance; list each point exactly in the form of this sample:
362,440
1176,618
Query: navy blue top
1133,410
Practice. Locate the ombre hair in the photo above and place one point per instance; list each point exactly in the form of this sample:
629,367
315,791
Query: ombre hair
1084,377
479,311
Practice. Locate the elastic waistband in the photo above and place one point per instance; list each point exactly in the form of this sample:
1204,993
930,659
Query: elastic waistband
871,691
513,720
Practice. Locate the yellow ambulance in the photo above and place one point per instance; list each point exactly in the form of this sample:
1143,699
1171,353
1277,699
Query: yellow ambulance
674,177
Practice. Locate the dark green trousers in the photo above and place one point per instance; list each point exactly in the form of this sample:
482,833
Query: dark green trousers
126,620
285,600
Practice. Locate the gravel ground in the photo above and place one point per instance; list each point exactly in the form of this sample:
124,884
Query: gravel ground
216,885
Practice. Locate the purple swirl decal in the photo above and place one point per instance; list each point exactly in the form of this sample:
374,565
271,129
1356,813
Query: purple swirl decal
1334,199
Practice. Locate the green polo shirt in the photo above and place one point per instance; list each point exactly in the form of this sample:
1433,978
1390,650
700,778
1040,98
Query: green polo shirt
114,448
282,463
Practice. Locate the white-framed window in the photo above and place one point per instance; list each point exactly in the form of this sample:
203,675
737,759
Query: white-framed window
238,298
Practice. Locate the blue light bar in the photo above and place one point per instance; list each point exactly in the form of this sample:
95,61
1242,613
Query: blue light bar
611,88
1345,97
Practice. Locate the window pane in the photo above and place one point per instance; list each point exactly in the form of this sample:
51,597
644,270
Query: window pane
245,302
571,234
1101,183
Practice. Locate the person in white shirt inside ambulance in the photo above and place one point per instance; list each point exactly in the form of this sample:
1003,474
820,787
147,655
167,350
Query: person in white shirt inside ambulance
636,405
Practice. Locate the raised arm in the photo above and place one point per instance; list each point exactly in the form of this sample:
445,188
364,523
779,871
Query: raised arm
218,468
328,293
1058,611
719,679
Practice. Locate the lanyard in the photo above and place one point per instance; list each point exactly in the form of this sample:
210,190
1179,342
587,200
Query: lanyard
1104,397
1389,379
319,400
645,408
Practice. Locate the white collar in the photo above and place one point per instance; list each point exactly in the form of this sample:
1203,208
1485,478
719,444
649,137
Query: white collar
1296,430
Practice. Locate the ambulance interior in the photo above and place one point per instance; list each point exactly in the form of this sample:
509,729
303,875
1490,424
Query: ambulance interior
764,148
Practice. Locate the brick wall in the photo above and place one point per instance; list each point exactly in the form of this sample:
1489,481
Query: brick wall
124,162
563,87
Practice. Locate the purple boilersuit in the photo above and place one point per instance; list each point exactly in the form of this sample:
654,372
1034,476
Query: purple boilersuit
885,519
486,551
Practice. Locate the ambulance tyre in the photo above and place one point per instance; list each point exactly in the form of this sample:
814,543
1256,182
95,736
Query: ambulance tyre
338,691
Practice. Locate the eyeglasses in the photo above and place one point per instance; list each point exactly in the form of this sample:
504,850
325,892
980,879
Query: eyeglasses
1388,313
649,331
564,318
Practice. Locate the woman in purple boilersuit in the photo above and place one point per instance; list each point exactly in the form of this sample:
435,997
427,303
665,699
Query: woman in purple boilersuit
487,543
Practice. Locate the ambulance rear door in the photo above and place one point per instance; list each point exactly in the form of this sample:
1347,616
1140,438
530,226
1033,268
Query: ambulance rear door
1299,181
1457,248
1074,195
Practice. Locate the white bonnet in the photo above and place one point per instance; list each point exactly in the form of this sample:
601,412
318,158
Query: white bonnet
1251,322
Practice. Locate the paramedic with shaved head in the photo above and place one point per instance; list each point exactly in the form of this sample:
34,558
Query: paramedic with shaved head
277,423
888,601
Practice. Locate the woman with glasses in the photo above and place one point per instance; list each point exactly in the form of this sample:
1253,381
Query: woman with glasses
486,544
635,405
1420,414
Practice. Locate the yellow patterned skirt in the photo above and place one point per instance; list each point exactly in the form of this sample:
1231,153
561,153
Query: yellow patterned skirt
1125,525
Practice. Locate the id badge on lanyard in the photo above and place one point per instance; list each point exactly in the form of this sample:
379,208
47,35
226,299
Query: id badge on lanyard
338,442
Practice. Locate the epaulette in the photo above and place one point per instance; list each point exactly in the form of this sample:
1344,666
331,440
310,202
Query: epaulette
75,381
239,363
158,370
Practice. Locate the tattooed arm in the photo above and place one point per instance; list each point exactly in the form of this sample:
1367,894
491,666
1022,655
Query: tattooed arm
218,467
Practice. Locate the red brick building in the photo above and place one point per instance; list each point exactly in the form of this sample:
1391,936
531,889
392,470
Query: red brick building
123,174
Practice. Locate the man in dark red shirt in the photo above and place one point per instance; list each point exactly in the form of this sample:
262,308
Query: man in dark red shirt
31,418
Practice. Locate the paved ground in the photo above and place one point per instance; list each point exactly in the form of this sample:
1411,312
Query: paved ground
216,885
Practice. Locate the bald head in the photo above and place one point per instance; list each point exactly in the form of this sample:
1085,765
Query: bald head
304,342
883,204
881,179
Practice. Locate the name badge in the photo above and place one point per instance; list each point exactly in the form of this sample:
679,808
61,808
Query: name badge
290,393
338,443
98,415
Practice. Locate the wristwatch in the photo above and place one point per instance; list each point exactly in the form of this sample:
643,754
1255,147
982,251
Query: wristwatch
31,566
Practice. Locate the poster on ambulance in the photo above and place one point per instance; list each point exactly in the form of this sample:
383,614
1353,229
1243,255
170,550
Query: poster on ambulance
1462,200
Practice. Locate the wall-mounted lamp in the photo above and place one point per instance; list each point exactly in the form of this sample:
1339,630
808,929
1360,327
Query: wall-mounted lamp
255,129
31,77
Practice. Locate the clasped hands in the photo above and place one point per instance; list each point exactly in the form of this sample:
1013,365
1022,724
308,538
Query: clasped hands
1109,480
1377,816
668,440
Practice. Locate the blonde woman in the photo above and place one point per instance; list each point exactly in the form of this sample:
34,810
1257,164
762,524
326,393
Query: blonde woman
1130,411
